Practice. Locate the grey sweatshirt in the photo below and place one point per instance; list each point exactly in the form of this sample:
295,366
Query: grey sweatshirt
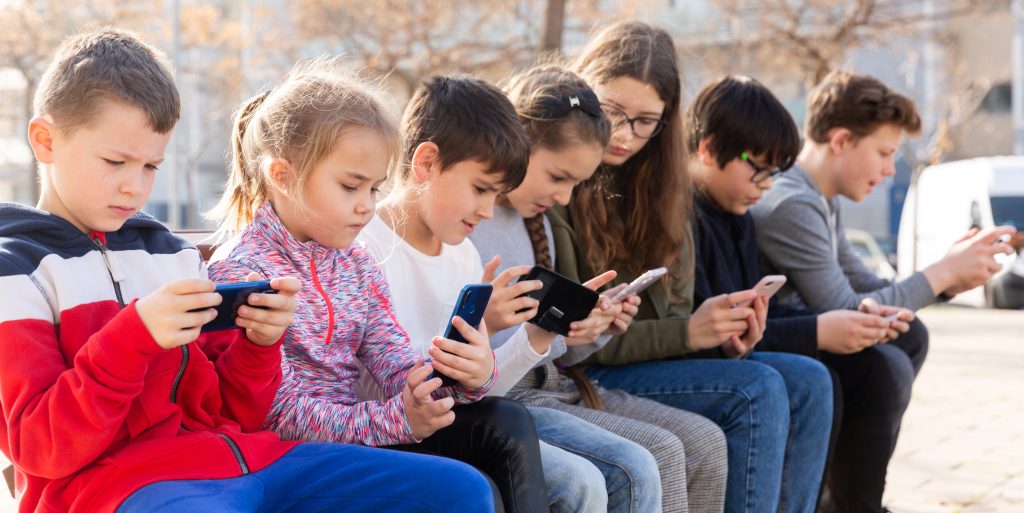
801,235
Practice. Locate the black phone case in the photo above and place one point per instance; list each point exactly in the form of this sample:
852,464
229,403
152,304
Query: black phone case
234,295
470,306
562,301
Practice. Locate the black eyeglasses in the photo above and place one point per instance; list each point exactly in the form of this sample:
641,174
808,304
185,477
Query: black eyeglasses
642,127
760,173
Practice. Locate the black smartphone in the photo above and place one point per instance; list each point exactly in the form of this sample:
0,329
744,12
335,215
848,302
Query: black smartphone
470,306
562,301
234,295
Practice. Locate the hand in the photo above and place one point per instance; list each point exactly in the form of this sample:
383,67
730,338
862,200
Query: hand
901,324
266,325
507,299
756,322
470,363
848,332
168,312
587,331
425,414
630,306
717,321
970,261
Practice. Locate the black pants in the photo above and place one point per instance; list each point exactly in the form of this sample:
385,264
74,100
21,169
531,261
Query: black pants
498,437
876,385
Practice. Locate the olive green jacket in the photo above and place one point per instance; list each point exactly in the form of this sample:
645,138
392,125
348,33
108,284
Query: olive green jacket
659,329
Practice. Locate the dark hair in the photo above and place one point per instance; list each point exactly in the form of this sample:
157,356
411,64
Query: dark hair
556,108
636,216
859,103
739,115
468,119
107,64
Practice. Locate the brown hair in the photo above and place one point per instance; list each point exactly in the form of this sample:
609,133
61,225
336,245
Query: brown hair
556,108
859,103
107,64
468,119
635,217
299,121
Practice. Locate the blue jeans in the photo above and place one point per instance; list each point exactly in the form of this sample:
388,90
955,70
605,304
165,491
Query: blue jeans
328,477
750,401
809,386
630,474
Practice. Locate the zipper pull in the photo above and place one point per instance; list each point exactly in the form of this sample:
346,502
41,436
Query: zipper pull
116,273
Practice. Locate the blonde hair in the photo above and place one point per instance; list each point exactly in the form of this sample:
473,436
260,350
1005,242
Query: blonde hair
299,121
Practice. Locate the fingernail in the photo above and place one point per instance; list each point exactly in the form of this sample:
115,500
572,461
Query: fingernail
255,298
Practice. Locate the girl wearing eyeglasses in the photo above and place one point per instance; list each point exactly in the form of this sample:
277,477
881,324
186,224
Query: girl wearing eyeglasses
633,215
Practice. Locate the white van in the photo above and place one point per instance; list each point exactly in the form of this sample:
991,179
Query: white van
950,198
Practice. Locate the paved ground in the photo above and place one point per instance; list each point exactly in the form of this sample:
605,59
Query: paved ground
962,447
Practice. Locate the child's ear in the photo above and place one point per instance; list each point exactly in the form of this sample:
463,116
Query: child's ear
707,158
425,159
839,139
40,138
280,173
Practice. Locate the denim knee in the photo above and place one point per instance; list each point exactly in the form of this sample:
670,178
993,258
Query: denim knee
574,484
765,391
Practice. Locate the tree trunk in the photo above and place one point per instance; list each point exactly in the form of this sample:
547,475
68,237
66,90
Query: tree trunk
554,25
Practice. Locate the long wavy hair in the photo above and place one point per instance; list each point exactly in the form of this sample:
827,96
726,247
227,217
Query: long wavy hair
636,216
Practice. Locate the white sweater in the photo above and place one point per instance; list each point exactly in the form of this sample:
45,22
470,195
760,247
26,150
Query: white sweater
425,288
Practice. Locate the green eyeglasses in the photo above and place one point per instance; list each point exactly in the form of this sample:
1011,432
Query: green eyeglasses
760,173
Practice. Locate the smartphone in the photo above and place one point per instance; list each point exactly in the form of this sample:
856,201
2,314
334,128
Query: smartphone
470,306
638,285
234,295
767,287
562,300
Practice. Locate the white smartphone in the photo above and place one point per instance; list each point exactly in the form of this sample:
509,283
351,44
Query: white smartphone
767,287
638,285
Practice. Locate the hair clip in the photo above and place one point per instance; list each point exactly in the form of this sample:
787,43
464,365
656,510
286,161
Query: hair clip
574,101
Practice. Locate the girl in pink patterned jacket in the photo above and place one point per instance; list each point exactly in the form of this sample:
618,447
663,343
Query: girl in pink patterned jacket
308,159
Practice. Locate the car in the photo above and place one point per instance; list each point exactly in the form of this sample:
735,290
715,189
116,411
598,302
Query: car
870,253
951,198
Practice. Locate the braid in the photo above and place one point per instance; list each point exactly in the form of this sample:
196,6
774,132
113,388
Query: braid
539,240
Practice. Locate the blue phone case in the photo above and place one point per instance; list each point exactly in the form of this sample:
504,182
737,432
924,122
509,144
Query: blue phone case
470,306
233,296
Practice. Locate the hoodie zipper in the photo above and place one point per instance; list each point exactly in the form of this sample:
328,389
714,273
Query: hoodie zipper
323,294
114,270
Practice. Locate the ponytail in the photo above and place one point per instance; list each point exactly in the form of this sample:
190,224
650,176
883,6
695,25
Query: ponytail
245,191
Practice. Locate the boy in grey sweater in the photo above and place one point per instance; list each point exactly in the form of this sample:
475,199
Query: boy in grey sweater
853,129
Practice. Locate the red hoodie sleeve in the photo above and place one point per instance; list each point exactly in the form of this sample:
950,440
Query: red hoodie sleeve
249,375
60,417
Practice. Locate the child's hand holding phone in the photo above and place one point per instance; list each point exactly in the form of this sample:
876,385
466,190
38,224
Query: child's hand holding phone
425,414
509,305
849,331
898,319
470,363
739,345
601,318
174,313
265,317
719,318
